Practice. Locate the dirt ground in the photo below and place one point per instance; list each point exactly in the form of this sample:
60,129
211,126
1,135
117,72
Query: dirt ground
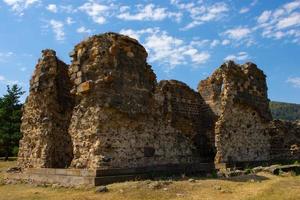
251,187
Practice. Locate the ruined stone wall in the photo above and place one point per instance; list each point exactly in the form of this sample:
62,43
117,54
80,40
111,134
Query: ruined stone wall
113,69
238,97
285,140
107,111
46,115
117,121
185,110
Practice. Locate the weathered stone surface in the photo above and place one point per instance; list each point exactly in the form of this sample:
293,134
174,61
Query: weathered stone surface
238,97
285,140
184,109
107,111
102,189
123,120
84,87
277,169
46,116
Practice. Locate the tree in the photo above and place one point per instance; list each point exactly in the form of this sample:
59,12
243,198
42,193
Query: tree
10,120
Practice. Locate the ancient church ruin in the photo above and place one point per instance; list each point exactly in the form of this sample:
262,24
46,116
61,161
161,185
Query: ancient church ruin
106,114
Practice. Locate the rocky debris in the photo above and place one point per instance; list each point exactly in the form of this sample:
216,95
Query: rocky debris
273,169
179,195
159,184
9,182
232,173
235,173
277,169
257,169
14,170
101,189
217,187
191,180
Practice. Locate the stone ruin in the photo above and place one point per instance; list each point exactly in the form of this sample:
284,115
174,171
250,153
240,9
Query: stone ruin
238,97
46,116
107,111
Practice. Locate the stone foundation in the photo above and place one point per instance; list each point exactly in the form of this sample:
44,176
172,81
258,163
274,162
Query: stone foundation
85,177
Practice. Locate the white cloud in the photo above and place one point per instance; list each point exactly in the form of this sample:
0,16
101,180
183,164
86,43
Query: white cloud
149,12
281,23
58,29
292,20
55,8
253,3
247,9
200,43
238,36
70,21
292,6
225,42
209,43
265,16
164,48
82,29
295,81
201,13
196,56
244,10
67,9
238,33
167,50
5,56
52,8
241,56
5,81
124,8
96,11
214,43
136,34
19,6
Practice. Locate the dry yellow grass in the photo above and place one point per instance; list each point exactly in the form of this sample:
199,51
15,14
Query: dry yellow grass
261,187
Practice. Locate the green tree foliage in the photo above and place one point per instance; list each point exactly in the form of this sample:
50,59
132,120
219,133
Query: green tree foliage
285,111
10,121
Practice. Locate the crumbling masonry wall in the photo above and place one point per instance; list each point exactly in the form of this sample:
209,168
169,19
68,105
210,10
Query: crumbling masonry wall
186,110
106,110
118,120
285,140
46,115
238,97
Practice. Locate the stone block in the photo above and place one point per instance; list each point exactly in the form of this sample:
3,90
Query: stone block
130,54
84,87
73,76
75,68
78,81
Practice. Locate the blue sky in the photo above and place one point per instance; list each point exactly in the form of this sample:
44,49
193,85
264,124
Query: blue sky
186,40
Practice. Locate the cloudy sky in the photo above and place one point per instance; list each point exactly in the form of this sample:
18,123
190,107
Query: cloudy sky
186,40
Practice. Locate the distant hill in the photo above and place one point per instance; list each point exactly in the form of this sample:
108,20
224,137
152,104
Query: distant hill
285,111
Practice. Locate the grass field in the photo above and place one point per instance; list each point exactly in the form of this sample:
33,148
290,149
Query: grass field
260,187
